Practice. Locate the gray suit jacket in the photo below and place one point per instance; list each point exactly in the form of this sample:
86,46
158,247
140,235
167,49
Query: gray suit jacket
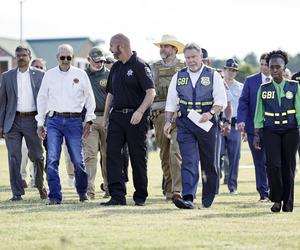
9,94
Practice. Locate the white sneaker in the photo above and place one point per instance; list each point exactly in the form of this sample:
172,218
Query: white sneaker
71,182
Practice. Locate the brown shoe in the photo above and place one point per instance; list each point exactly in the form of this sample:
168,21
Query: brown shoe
91,196
24,184
43,193
176,196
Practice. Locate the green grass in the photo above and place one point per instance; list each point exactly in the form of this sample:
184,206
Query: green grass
233,222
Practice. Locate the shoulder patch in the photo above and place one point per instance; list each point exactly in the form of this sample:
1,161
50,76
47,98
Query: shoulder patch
148,72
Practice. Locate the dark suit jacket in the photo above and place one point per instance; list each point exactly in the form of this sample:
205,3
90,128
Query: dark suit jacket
9,94
247,102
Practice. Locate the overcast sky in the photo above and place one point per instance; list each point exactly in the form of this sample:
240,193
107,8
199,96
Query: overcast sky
225,28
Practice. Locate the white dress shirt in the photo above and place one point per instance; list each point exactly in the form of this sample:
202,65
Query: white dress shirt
264,77
25,101
65,92
219,93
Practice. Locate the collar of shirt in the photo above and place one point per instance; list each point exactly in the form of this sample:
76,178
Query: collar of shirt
19,72
133,58
263,76
194,76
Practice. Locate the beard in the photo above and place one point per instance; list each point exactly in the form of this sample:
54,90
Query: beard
164,56
117,53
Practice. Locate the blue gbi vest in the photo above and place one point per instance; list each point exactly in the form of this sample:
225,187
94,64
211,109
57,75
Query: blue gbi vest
283,116
199,98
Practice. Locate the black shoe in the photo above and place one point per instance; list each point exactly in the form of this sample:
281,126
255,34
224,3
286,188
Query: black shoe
139,203
286,208
182,204
16,198
113,202
43,193
83,197
53,202
276,207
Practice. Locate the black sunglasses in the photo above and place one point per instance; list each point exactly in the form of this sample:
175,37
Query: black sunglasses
38,67
62,58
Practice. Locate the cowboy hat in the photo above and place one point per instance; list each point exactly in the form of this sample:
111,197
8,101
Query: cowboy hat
171,40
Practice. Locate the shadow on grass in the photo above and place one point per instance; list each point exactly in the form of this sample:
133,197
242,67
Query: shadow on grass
229,215
222,194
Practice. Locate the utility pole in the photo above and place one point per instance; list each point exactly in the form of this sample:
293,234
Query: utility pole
21,21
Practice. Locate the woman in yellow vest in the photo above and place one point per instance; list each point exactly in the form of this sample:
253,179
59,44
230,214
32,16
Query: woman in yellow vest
276,122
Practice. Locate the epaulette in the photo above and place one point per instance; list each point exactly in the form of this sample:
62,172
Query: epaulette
292,81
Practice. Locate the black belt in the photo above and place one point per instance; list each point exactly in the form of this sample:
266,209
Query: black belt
124,111
33,113
64,114
99,113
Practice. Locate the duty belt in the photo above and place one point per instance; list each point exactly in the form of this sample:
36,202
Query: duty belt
33,113
64,114
124,111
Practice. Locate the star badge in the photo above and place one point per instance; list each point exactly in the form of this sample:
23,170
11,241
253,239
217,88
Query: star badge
129,72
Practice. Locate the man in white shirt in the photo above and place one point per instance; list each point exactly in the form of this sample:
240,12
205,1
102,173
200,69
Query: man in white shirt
64,92
199,88
245,120
18,93
232,140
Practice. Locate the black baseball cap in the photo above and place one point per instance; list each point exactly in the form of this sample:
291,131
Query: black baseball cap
231,64
204,53
97,54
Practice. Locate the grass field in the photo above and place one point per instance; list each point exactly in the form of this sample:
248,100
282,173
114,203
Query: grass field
233,222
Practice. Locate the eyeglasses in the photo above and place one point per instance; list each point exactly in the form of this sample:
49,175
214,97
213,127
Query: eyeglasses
101,61
62,58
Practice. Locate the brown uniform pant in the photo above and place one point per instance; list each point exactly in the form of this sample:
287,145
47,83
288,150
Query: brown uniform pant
169,155
94,142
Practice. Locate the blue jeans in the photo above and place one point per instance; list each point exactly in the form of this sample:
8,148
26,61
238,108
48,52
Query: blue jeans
70,128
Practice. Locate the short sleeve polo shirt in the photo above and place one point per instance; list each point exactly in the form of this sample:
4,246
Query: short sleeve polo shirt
128,82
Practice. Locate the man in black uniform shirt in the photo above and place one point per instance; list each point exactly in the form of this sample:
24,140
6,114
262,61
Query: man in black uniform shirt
131,92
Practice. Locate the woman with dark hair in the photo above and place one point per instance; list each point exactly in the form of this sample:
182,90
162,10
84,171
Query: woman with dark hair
276,122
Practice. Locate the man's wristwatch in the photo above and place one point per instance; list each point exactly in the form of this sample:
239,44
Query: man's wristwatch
212,112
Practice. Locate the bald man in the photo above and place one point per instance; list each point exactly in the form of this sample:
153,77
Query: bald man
130,94
65,90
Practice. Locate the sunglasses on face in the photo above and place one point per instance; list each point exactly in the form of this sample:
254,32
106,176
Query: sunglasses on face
62,58
38,67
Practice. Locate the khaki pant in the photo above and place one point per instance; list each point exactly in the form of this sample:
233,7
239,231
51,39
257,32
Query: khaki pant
169,155
95,141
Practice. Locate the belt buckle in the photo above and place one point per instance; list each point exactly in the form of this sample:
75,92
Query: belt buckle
125,111
51,113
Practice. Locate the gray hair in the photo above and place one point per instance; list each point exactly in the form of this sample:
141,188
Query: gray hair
190,46
65,47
